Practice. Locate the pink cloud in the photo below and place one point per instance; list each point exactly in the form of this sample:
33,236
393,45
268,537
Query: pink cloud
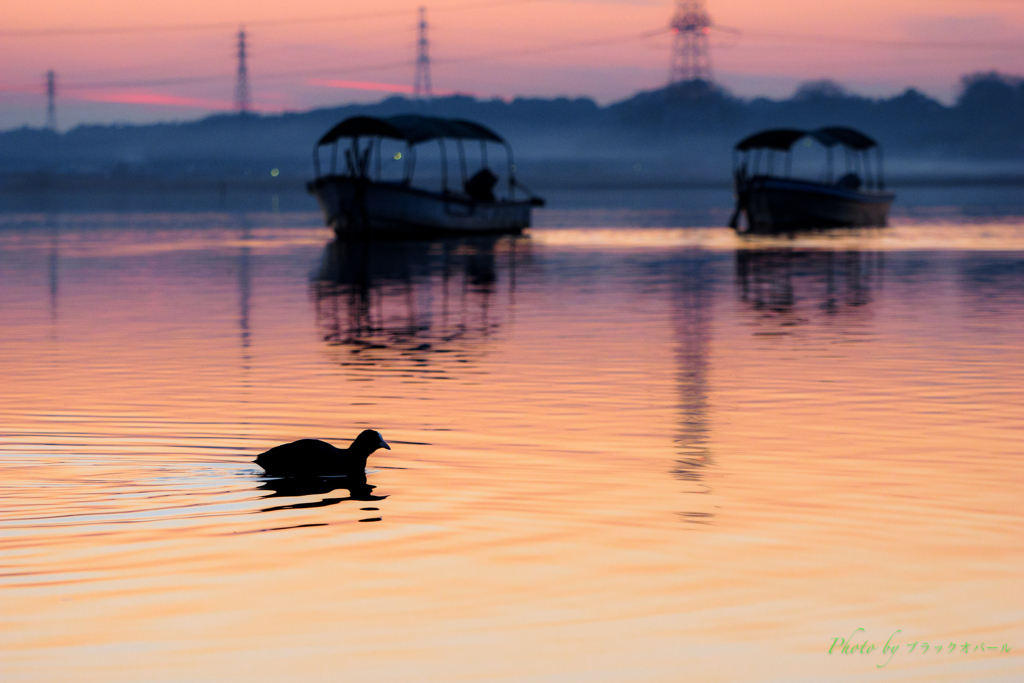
153,99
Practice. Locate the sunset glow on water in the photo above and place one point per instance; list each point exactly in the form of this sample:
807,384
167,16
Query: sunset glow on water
618,454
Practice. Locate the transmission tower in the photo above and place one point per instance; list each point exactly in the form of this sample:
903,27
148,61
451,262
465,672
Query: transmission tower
51,97
691,58
243,98
421,84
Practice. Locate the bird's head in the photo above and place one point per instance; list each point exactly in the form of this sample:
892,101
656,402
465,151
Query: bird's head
368,441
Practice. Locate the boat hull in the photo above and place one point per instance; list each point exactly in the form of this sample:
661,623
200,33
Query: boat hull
784,205
376,209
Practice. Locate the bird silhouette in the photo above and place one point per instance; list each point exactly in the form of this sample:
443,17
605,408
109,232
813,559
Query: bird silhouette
312,457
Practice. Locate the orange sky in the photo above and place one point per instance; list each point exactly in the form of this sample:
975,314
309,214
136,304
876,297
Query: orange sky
495,48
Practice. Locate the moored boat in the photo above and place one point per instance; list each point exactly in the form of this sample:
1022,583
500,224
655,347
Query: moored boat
361,202
767,203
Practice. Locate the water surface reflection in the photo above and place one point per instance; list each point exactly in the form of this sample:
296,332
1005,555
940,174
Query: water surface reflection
297,487
793,286
648,452
416,302
692,295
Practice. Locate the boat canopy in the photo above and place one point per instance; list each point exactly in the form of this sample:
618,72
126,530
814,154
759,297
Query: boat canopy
848,137
412,128
763,147
782,139
367,133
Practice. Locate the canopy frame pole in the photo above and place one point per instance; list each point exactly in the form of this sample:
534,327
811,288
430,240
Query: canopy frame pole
462,161
366,160
334,158
878,170
444,166
511,172
379,143
771,162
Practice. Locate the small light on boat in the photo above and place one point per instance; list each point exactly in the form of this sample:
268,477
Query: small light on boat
398,155
274,172
807,142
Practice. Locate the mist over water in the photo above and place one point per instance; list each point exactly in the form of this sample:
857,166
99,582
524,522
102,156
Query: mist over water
629,445
626,207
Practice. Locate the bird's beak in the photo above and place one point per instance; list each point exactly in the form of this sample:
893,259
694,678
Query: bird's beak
384,444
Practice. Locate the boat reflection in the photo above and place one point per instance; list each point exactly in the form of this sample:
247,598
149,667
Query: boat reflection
416,303
791,287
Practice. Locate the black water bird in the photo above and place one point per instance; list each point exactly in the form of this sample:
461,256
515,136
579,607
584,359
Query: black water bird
312,457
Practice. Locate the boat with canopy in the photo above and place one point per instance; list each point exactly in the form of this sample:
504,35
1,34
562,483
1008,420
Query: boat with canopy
358,200
767,201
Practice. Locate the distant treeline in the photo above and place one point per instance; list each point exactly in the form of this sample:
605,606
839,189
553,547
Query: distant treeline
681,132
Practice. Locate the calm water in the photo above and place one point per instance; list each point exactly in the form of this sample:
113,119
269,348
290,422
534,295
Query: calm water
619,454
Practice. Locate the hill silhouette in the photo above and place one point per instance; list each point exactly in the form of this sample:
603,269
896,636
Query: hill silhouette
678,134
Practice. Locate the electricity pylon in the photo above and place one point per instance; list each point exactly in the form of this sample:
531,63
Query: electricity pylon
243,98
691,58
51,100
421,83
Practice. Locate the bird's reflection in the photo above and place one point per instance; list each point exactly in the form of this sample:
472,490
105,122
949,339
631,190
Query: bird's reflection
298,487
793,286
421,303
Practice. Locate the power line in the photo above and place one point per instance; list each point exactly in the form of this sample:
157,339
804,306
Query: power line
219,78
220,25
195,80
558,47
883,42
